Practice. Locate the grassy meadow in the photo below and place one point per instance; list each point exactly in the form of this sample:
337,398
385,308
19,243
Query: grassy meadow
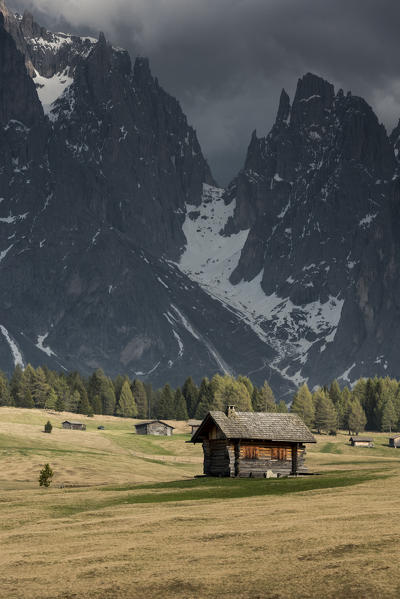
125,518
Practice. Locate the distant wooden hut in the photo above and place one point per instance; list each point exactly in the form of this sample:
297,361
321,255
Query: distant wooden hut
74,424
394,441
194,425
154,427
252,443
362,442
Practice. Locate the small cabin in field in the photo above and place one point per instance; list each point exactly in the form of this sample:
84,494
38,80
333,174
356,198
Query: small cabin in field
194,425
154,427
394,441
252,443
73,424
362,442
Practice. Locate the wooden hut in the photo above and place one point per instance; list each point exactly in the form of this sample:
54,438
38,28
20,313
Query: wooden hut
362,442
252,443
74,424
154,427
394,441
194,425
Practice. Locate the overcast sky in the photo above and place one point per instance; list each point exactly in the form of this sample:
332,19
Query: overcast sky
227,60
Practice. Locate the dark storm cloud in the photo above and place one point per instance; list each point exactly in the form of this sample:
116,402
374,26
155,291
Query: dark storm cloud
227,60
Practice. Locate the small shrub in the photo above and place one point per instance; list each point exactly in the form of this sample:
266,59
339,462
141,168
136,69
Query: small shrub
48,427
46,474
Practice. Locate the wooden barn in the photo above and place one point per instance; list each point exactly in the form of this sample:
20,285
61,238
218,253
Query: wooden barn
75,425
252,443
194,425
154,427
394,441
362,442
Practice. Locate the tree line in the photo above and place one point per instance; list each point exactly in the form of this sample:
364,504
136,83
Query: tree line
372,404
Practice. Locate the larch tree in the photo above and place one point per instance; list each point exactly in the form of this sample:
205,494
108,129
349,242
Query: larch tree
389,417
303,405
325,418
180,406
263,399
357,418
191,394
166,405
140,397
126,406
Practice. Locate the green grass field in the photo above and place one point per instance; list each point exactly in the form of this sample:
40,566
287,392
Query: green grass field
126,517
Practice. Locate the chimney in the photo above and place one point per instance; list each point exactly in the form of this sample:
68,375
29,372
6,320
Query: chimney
230,411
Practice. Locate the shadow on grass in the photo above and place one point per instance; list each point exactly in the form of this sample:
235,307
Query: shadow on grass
218,488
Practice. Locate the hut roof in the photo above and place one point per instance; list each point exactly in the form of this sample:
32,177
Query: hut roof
395,437
268,426
193,422
145,422
362,439
72,422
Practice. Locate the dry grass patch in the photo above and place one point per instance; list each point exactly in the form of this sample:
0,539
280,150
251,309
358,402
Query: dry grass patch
197,538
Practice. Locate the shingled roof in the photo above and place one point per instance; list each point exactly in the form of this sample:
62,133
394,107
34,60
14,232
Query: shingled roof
268,426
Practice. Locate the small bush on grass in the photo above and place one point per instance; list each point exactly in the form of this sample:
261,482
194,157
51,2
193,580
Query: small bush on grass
46,475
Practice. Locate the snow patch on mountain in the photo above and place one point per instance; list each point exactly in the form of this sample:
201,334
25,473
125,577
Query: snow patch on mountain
209,259
16,354
40,345
49,89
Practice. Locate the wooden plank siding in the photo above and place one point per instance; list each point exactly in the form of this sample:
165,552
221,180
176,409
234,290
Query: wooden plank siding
249,458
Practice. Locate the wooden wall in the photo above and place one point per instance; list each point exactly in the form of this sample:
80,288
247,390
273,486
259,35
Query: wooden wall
249,458
154,428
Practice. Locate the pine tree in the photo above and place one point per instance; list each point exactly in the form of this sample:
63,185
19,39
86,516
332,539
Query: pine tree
40,389
303,405
191,395
117,383
126,406
344,408
325,414
357,418
389,417
96,405
60,405
228,391
51,399
101,386
83,406
180,406
206,399
334,393
282,407
247,383
48,427
46,475
263,399
5,394
16,384
166,406
140,397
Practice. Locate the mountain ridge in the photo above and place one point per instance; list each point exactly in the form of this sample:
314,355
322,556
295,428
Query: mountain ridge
119,251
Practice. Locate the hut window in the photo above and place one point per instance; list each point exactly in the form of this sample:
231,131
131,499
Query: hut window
278,453
250,452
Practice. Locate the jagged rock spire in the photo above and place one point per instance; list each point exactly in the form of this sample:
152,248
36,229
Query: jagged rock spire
284,107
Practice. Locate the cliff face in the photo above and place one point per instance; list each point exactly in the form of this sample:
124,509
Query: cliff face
118,251
98,163
317,203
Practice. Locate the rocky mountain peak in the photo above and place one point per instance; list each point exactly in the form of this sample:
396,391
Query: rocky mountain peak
313,99
284,107
18,98
29,27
